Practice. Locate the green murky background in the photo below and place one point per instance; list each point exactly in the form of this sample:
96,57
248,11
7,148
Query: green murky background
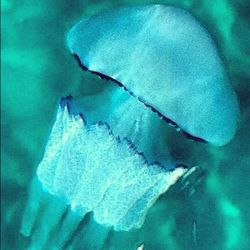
37,70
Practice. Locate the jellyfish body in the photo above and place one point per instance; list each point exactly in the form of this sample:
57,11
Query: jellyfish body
107,153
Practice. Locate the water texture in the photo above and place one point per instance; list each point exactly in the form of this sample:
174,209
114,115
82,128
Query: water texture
37,69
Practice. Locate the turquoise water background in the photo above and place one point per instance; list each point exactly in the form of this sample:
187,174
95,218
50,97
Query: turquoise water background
37,70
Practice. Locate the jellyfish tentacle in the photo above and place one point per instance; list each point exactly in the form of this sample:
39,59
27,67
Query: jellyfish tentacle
100,182
32,207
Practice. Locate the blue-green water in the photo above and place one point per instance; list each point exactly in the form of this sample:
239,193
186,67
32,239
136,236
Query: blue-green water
37,70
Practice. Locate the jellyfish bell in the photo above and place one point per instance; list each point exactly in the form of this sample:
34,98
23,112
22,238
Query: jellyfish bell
163,56
108,153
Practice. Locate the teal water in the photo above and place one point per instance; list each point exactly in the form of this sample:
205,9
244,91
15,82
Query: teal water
37,70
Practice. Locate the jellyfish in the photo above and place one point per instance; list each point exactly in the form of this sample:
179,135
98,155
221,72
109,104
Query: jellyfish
107,153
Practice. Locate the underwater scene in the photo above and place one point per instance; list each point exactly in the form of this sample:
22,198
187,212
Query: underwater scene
125,125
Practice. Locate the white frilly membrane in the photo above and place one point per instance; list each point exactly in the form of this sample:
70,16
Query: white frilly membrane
86,168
